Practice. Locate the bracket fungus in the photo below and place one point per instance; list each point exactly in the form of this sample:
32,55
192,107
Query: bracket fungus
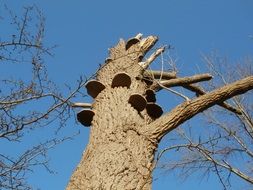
154,110
133,41
150,95
148,80
121,79
138,102
85,117
107,60
94,87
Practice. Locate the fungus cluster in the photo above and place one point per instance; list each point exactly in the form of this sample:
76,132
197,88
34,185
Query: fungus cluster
137,101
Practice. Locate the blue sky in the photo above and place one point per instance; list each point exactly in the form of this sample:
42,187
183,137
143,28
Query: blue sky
84,30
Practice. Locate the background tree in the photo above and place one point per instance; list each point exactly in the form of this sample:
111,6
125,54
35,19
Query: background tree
223,145
21,96
126,123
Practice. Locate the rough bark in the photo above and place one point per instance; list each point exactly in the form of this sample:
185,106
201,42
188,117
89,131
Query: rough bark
118,156
123,141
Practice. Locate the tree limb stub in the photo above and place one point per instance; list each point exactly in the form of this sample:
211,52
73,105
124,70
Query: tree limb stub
147,43
181,81
152,57
188,109
192,87
81,105
159,74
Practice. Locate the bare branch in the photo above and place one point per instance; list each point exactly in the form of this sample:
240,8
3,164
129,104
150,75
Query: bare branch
152,58
158,74
26,45
175,92
24,24
225,165
245,116
229,131
181,81
187,110
12,171
199,91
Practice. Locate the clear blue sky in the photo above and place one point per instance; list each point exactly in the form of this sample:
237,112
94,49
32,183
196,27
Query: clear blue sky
84,30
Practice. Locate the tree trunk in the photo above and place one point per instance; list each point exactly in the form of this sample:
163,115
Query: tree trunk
118,156
124,135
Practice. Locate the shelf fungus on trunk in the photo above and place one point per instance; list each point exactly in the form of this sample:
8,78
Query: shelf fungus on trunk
107,60
85,117
150,95
121,79
94,87
133,41
148,80
154,110
138,102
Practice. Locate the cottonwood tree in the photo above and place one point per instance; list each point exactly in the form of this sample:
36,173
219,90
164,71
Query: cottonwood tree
29,100
223,145
126,123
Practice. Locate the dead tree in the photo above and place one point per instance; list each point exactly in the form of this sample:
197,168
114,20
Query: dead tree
127,124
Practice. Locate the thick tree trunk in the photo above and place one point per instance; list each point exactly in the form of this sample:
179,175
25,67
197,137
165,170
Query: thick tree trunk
118,156
124,135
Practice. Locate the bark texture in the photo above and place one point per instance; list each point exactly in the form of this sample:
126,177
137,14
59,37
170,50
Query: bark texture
118,156
123,141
